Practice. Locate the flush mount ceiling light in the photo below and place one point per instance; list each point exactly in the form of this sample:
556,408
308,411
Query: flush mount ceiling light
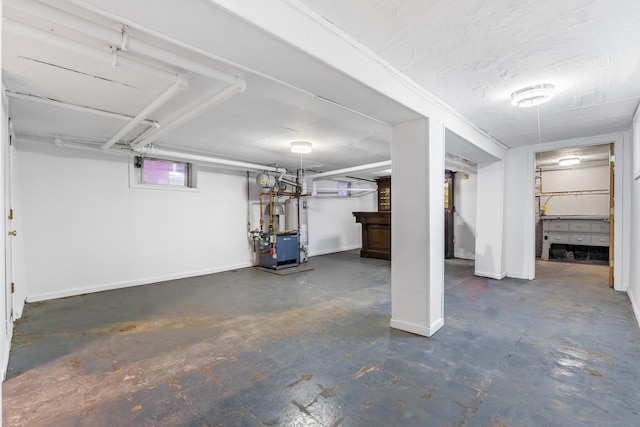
301,147
532,95
570,161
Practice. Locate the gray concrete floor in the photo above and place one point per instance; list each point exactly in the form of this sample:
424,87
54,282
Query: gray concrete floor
250,348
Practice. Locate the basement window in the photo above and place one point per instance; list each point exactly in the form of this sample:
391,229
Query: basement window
162,174
343,188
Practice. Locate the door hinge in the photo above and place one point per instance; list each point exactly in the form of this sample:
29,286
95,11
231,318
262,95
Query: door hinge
10,214
13,287
10,139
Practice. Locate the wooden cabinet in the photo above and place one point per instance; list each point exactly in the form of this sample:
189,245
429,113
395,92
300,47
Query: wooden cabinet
384,194
376,234
575,232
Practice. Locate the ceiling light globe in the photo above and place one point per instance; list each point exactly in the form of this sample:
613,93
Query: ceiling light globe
569,161
532,95
301,147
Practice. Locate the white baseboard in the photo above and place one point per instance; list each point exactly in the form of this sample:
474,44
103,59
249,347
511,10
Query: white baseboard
520,276
334,250
414,328
634,305
499,276
127,284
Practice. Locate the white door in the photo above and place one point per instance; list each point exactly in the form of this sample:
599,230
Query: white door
11,233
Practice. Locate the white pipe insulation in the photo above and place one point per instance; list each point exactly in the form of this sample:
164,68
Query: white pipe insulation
198,158
157,152
181,84
75,107
219,97
122,43
341,172
76,47
117,39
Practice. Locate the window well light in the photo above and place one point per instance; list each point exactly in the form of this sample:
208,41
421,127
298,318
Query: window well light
532,95
570,161
301,147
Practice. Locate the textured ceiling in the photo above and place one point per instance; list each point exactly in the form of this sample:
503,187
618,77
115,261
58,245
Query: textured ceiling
474,53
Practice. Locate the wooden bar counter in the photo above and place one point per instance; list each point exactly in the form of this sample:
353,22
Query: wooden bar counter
376,234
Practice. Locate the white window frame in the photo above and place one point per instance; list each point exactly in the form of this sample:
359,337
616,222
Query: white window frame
135,177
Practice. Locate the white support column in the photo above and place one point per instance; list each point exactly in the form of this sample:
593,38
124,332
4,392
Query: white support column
489,221
417,227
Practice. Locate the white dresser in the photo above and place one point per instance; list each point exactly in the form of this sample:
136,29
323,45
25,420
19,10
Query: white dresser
574,230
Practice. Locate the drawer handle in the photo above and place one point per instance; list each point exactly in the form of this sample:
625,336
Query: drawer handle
579,239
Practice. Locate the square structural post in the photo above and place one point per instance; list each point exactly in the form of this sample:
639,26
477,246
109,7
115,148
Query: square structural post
417,227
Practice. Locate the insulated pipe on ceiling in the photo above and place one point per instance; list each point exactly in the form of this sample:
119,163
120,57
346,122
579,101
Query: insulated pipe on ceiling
117,39
340,172
81,108
181,84
238,87
88,147
198,158
82,49
157,152
315,190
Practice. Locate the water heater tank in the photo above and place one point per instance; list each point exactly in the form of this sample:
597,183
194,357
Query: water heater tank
296,209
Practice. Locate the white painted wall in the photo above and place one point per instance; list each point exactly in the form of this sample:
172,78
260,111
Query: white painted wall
464,219
84,230
588,179
332,226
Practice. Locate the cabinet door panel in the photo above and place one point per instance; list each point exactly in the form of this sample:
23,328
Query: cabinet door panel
558,238
580,239
580,226
600,240
558,226
600,227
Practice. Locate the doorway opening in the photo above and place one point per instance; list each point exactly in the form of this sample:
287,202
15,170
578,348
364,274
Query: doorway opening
574,205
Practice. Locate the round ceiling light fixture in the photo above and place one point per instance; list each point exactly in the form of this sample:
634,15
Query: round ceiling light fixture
532,95
569,161
301,147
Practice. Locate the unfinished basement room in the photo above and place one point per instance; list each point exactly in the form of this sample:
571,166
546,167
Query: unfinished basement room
320,213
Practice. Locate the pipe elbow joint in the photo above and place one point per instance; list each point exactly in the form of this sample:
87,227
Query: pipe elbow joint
182,83
240,84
